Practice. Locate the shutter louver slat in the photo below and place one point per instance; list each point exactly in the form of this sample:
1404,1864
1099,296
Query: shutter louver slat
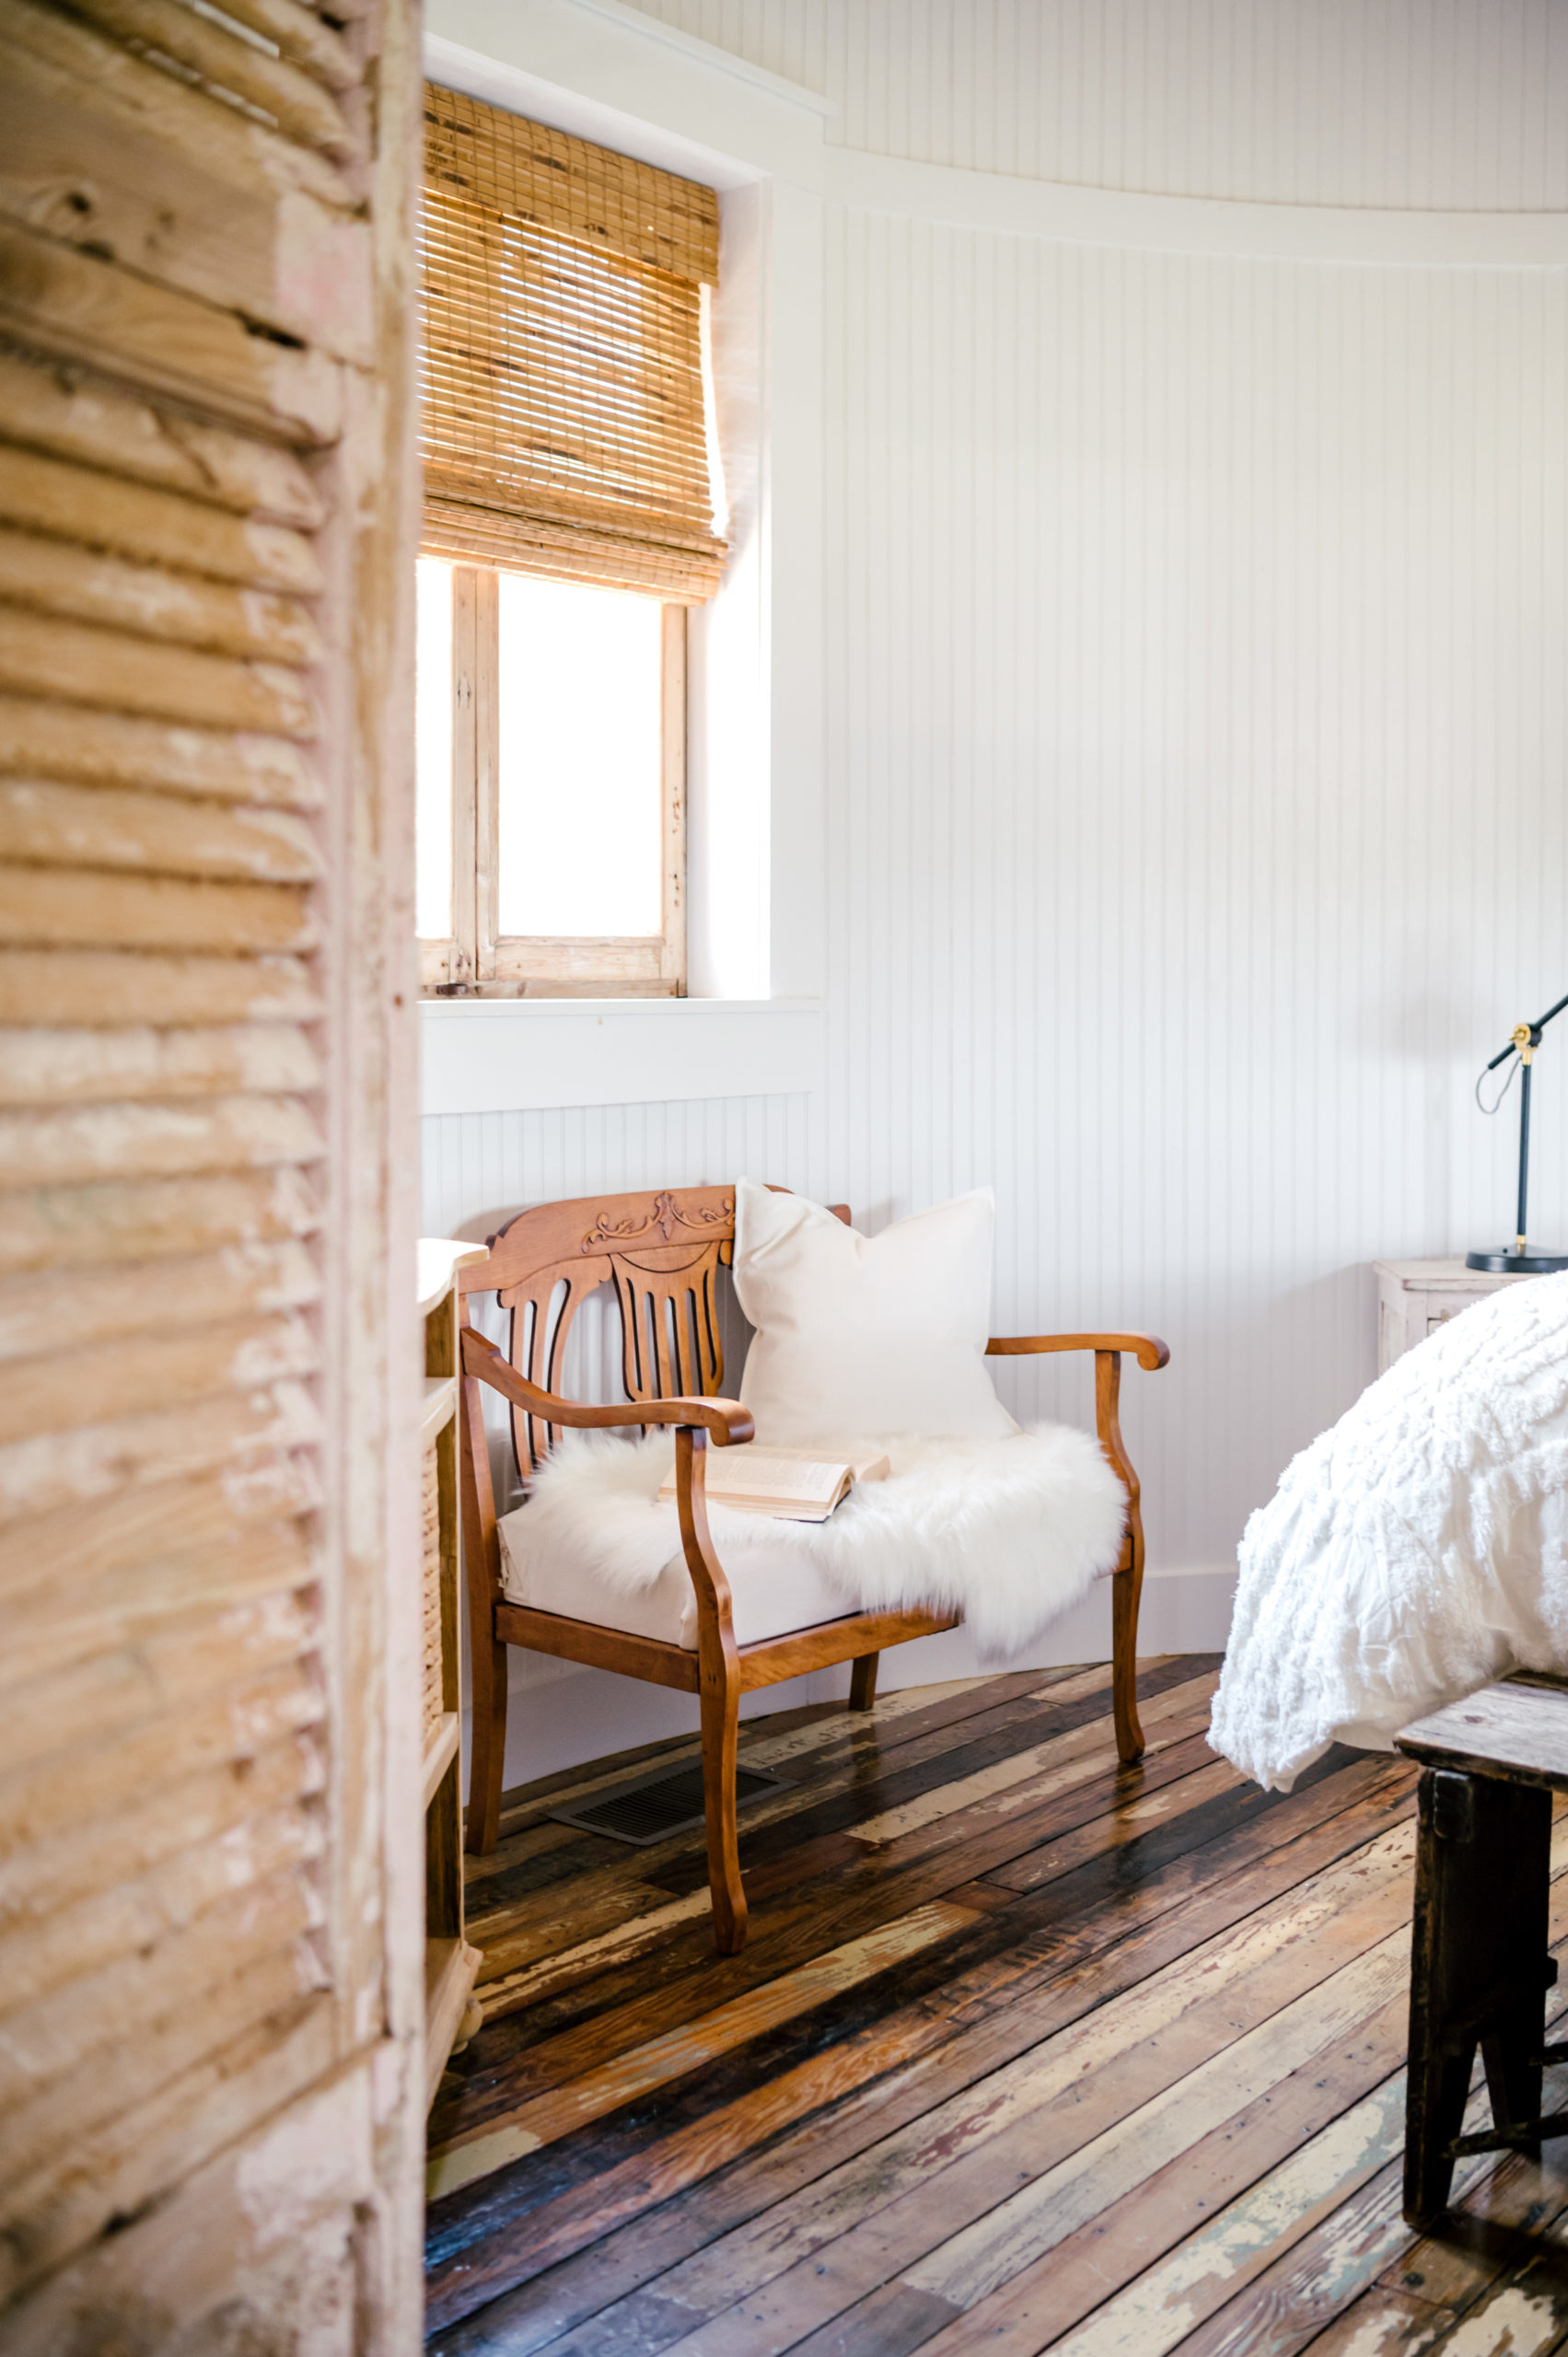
61,578
44,655
292,98
246,1717
103,990
114,1694
89,906
43,495
42,1067
128,1301
104,2087
93,1225
79,1873
92,1460
154,1370
139,1140
133,1915
70,741
102,427
74,306
70,826
564,425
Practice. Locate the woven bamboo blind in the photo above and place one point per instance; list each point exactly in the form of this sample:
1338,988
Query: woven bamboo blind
565,427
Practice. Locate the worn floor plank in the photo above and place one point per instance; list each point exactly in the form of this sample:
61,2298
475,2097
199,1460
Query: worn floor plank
1026,2051
661,2060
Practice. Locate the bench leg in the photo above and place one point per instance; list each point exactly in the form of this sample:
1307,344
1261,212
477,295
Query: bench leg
721,1733
862,1682
1478,1967
1125,1589
1127,1581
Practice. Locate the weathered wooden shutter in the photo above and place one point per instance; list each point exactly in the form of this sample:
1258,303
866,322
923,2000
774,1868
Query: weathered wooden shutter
205,511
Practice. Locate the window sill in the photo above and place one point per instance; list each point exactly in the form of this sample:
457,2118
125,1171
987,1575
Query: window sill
526,1055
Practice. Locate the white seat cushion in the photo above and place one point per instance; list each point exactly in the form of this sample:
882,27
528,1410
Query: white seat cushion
774,1589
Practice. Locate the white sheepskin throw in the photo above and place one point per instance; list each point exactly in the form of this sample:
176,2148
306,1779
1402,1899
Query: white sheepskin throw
1413,1553
1009,1532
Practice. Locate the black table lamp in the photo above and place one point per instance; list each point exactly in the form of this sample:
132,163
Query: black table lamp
1521,1261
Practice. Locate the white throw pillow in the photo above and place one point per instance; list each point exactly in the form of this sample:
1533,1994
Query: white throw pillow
858,1336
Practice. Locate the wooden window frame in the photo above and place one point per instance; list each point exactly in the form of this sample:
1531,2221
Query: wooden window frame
476,961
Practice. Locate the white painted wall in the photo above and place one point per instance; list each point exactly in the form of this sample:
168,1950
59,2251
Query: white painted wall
1190,729
1354,102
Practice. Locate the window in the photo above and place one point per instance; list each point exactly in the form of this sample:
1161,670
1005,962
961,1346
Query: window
551,785
572,515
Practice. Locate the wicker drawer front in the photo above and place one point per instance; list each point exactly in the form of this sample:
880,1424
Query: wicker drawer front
433,1679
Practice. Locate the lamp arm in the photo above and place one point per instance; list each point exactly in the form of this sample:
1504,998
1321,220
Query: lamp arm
1533,1029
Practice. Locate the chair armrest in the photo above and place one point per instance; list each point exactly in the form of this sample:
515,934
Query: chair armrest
697,1422
724,1421
1150,1353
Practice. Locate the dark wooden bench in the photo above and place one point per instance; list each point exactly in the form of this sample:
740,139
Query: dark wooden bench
1480,1969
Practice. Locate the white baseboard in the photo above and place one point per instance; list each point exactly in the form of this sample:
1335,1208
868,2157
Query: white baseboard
1187,1612
1182,1612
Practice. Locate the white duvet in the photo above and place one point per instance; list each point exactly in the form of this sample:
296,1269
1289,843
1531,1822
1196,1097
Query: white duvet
1417,1550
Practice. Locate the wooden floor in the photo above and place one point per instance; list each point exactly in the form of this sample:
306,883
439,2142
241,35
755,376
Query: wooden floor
1023,2053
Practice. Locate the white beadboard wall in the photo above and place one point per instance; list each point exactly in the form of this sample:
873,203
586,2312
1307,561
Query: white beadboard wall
1458,105
1195,760
480,1163
1194,732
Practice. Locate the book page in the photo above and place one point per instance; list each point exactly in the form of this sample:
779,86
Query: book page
790,1482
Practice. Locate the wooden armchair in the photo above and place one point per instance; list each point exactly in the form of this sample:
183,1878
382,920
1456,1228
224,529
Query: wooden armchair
661,1253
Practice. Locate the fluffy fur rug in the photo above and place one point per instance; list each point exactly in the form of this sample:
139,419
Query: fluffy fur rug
1009,1532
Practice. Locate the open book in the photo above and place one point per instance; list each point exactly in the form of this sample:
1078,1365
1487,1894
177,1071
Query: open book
790,1484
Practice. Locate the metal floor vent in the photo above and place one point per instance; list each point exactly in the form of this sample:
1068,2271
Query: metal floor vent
645,1808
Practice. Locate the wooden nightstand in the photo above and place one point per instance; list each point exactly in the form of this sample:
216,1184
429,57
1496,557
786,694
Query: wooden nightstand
1415,1297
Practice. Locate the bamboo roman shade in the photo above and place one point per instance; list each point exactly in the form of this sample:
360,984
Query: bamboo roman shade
564,427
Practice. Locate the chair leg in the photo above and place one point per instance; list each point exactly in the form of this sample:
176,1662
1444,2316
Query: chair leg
487,1756
721,1731
862,1682
1125,1589
1127,1581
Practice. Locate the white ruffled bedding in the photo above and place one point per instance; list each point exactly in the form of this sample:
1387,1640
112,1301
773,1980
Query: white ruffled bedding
1415,1553
1009,1532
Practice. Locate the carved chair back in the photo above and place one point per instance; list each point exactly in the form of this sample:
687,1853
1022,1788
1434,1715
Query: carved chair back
661,1252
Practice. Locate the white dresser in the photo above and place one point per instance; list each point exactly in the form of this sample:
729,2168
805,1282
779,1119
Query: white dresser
1415,1297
